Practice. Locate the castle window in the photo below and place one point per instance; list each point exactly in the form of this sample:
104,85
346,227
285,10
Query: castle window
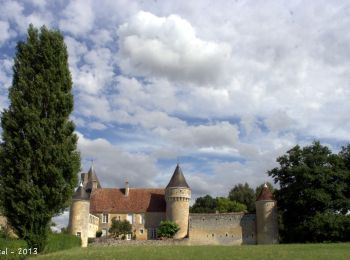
130,218
141,231
152,233
105,218
142,218
78,234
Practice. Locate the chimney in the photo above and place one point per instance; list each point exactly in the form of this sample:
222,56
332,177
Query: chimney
126,189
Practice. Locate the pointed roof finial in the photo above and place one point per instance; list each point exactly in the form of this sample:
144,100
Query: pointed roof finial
265,193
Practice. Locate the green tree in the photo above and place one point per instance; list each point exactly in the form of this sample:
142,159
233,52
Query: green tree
313,198
39,157
167,229
260,187
205,204
242,193
225,205
120,228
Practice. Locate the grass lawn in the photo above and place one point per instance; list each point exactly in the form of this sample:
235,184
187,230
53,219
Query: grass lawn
292,251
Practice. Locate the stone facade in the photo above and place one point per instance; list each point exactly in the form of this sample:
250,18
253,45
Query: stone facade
222,229
177,208
94,208
267,228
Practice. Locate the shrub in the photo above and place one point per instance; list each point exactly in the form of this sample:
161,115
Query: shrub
98,233
167,229
119,228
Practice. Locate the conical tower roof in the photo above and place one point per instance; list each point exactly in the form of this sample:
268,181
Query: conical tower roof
92,177
265,194
178,179
80,194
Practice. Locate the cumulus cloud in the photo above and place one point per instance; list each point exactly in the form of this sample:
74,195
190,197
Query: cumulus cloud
78,17
114,166
275,74
168,47
217,135
4,31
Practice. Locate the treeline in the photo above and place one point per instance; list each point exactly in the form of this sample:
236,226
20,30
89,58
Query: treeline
241,198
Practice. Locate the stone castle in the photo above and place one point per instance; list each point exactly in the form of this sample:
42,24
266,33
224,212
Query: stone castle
94,207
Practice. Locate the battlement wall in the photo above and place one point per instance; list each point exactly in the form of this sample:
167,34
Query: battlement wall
222,229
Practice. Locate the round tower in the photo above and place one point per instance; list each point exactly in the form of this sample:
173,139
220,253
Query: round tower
177,197
266,218
79,215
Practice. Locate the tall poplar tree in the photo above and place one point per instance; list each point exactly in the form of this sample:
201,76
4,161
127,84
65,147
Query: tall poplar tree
39,160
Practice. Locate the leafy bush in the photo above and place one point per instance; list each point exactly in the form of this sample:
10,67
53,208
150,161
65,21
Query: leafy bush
98,233
167,229
119,228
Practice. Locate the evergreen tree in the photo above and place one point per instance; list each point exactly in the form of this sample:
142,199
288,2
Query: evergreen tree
39,157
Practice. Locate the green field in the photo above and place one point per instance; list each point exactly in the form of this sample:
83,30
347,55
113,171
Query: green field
292,251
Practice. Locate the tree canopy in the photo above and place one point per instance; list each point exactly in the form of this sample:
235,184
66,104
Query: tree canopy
313,198
243,194
207,204
38,154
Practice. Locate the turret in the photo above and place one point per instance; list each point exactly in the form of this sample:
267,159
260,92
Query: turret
92,180
79,215
266,218
177,196
80,208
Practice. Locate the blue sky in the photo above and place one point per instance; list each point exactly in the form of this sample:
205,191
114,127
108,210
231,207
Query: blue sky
224,87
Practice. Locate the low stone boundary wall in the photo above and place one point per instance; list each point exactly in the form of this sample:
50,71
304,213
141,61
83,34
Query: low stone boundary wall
114,242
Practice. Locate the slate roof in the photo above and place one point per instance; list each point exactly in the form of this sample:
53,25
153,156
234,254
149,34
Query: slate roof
265,194
92,177
178,179
80,194
109,200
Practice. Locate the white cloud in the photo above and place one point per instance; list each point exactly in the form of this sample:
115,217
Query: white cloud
221,134
78,18
97,126
168,47
114,166
4,32
5,72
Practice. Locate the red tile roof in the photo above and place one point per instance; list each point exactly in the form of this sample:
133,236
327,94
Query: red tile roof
265,194
139,200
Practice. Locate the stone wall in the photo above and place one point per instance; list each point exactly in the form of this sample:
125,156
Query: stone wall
114,242
222,229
